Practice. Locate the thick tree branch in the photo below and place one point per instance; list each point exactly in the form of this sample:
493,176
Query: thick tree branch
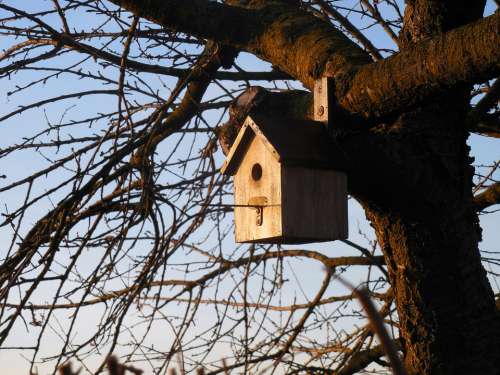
488,197
306,47
464,55
292,39
487,124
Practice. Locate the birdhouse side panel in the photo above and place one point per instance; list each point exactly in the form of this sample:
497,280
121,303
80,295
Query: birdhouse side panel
314,205
257,181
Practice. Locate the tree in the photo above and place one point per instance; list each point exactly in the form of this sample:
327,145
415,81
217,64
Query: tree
402,122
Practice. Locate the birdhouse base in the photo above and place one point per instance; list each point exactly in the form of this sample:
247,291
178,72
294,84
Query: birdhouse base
288,240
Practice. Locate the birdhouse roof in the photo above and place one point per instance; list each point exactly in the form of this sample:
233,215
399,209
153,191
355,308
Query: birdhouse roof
291,142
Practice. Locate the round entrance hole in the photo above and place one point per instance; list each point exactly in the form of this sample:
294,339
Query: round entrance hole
256,172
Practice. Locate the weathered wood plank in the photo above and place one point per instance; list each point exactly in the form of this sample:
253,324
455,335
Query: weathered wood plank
250,190
314,204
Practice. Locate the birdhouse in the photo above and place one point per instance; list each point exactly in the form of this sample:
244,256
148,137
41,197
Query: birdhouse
285,189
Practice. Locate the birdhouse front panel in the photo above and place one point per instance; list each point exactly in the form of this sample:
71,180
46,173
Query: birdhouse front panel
257,195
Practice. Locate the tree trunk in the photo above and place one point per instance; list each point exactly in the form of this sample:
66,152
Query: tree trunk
448,318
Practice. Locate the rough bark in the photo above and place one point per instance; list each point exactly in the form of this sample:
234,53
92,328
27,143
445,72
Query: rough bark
448,320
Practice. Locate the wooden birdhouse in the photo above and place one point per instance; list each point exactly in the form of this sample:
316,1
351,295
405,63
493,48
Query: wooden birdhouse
285,189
